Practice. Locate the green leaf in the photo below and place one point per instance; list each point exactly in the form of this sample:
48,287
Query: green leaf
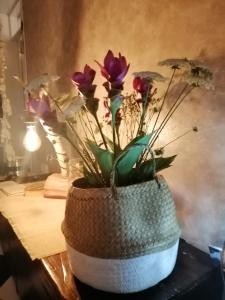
130,156
91,179
146,170
164,162
103,157
110,144
114,106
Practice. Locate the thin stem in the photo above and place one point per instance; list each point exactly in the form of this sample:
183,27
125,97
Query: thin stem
177,138
155,136
151,114
100,129
88,126
166,119
135,119
114,140
117,134
164,98
76,134
89,122
143,111
169,115
99,179
82,125
125,121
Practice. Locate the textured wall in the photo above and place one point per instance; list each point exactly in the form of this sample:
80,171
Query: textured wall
51,37
63,35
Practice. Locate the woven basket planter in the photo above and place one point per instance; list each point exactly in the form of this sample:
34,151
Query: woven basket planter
124,244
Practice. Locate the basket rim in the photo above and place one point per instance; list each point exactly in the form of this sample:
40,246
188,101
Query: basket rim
118,188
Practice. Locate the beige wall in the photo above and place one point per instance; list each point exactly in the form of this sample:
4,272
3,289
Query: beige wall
64,35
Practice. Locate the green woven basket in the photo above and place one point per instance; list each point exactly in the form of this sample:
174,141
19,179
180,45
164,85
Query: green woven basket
141,220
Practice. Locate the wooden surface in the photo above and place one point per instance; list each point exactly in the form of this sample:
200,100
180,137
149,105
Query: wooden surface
58,268
194,276
32,280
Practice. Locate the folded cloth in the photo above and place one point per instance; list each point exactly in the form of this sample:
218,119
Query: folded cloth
57,186
36,221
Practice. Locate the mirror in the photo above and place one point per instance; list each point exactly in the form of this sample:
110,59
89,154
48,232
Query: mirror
15,160
11,95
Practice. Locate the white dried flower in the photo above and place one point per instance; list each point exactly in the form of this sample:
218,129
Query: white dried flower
199,75
74,106
175,63
150,75
40,81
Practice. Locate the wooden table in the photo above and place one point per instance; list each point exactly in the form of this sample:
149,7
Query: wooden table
194,276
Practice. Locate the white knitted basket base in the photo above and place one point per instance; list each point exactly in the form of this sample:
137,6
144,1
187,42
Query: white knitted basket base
123,275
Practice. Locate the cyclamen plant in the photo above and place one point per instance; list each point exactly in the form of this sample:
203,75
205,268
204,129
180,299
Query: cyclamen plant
123,149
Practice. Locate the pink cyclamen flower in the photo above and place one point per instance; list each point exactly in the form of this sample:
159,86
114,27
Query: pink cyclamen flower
83,81
141,85
114,69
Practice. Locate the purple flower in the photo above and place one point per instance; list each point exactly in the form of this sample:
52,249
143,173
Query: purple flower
83,81
114,69
39,106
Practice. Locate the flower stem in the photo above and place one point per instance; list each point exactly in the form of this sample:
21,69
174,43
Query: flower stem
164,99
100,130
114,140
167,117
117,134
140,127
177,138
90,127
151,114
124,110
77,136
97,177
83,127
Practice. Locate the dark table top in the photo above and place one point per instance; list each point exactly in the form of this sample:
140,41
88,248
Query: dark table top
194,275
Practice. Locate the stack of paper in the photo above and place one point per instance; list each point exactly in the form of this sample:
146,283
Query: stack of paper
11,188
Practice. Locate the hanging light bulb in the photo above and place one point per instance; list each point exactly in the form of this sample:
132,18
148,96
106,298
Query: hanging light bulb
31,141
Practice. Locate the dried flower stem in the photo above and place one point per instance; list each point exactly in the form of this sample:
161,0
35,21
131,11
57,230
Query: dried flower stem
177,138
97,177
90,126
83,126
172,111
100,130
150,117
169,114
164,98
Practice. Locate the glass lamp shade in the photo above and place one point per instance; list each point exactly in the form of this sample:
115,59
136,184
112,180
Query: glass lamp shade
31,141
